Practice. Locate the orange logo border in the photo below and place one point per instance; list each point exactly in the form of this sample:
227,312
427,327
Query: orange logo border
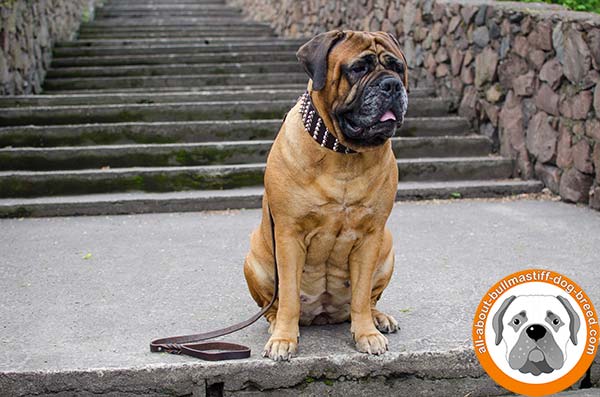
529,389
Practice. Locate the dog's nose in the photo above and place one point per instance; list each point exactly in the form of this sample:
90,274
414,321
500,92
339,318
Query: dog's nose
536,332
390,85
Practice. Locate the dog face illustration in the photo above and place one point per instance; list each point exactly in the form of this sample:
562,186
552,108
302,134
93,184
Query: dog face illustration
536,330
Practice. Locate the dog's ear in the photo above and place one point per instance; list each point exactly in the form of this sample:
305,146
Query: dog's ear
394,39
313,56
497,321
575,323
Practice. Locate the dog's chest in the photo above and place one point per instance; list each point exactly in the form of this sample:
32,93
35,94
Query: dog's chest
325,287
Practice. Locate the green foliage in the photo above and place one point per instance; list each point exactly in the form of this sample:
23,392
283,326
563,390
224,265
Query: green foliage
310,379
7,3
85,17
577,5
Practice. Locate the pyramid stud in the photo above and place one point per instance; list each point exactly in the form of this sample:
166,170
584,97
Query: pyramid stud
316,131
324,138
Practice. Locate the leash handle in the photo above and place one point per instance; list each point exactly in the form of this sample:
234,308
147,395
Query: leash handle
192,345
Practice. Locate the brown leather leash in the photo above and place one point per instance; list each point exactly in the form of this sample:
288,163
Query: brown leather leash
192,345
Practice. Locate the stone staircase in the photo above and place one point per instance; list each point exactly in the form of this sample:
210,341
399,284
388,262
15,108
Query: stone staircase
164,106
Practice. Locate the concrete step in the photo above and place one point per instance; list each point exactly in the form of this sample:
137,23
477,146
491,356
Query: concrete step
165,95
177,34
164,3
205,95
191,131
116,6
166,29
207,80
175,89
183,22
133,14
126,3
240,37
176,69
166,274
149,42
454,168
186,111
300,87
209,153
260,46
189,58
237,198
129,32
164,179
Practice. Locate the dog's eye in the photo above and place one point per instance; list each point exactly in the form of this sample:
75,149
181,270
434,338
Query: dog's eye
556,321
399,68
516,321
359,68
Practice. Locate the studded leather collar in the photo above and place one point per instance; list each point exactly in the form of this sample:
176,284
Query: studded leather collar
314,125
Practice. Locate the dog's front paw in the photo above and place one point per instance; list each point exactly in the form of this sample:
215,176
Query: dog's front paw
280,349
384,322
371,342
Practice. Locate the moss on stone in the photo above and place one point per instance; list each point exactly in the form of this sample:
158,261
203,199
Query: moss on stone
219,70
125,116
19,212
409,132
133,135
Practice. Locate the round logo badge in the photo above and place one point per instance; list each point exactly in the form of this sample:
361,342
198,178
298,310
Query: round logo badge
536,332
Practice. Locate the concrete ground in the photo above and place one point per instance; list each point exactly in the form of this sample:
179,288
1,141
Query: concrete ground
81,297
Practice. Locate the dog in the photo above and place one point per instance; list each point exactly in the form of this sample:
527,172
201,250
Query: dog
330,184
536,330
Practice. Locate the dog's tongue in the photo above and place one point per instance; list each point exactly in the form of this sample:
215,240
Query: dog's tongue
536,356
387,116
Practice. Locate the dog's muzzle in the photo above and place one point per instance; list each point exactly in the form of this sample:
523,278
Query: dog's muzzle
536,351
376,115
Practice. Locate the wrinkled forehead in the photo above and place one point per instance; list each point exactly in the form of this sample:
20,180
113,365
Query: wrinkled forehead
357,44
536,307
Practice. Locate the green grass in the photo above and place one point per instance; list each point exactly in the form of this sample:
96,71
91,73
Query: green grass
577,5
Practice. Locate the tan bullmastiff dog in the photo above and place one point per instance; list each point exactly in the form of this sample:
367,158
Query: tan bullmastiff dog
330,184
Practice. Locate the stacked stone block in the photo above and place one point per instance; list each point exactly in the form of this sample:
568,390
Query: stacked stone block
28,30
525,75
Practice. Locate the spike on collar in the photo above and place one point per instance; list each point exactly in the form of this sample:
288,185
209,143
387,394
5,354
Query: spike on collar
314,125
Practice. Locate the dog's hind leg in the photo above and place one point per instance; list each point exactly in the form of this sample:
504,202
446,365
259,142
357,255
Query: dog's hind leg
260,273
261,287
384,322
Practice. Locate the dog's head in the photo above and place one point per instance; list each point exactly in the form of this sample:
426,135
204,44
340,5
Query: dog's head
359,85
536,330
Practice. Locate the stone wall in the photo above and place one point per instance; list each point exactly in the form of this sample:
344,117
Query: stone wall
526,75
28,29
